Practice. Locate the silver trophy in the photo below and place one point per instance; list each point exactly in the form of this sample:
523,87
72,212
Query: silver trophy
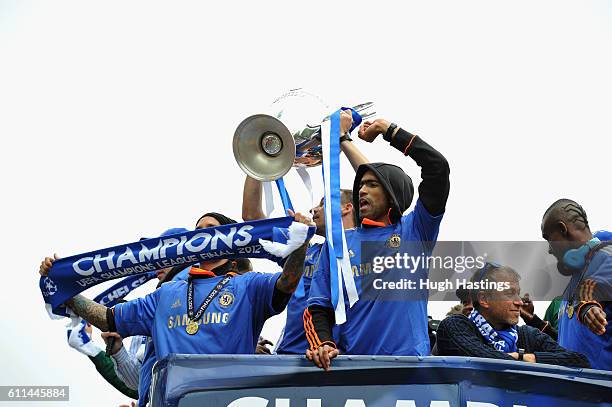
267,146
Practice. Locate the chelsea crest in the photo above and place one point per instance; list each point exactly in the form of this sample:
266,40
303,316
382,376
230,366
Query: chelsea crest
394,241
226,299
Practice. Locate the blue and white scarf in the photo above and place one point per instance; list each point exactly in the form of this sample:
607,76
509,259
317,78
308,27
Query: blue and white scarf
112,295
72,275
502,340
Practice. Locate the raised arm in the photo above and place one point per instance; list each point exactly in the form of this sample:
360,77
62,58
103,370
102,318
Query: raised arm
531,319
92,312
434,189
87,309
292,271
294,266
251,200
350,150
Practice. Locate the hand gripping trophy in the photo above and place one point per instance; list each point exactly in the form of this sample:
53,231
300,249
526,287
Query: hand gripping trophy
267,146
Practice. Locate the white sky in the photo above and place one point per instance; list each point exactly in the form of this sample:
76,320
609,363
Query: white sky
117,118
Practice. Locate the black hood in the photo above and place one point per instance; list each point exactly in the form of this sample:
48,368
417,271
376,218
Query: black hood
394,180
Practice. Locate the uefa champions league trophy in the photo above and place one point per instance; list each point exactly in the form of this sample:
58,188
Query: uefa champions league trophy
266,146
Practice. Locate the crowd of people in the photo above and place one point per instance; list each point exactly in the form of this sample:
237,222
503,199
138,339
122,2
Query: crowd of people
220,306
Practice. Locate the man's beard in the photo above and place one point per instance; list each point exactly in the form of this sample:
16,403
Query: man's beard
563,269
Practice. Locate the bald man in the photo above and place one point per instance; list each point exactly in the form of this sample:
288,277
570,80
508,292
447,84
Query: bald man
586,306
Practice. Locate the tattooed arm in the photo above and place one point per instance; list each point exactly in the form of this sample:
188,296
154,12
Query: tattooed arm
294,266
87,309
292,271
90,311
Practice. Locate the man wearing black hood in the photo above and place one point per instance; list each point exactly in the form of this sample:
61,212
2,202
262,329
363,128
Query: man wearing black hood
381,194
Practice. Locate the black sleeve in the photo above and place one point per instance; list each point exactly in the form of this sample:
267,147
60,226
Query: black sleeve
457,336
110,320
434,189
280,300
543,326
318,324
546,350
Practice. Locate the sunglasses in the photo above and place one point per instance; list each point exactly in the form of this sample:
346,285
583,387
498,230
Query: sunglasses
485,269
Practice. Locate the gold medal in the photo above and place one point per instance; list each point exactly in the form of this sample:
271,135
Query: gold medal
192,327
570,311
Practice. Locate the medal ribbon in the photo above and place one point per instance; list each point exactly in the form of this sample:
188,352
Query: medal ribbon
211,296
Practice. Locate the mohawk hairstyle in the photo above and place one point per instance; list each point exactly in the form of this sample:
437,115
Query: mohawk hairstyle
567,210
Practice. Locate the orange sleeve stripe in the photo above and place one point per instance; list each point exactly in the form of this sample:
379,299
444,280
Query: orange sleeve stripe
309,337
591,290
409,144
587,289
311,330
587,292
310,342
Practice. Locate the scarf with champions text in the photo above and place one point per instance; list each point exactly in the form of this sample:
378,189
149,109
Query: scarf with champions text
502,340
256,239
